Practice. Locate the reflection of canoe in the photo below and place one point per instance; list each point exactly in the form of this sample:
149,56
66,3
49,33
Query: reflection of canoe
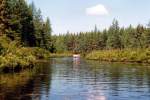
76,56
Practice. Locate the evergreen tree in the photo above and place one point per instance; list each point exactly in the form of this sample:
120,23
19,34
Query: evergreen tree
137,36
147,36
47,34
23,23
27,29
3,16
103,40
114,40
9,21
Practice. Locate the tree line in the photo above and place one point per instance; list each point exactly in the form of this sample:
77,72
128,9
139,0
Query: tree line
115,37
23,22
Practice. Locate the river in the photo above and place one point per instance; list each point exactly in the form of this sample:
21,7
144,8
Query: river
77,79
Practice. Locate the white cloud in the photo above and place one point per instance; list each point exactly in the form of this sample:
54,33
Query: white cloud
97,10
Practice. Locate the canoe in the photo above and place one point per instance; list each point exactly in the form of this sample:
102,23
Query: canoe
76,56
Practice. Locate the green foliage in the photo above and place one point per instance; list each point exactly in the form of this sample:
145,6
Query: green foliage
146,37
126,55
24,36
60,45
114,37
14,55
114,40
115,44
23,23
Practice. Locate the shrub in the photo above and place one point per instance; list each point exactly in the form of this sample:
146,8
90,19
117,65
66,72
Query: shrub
126,55
13,55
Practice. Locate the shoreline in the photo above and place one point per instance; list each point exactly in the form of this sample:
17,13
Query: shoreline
22,58
132,56
125,56
56,55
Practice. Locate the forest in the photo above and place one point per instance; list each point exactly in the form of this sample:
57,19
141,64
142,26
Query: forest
129,44
41,60
24,35
115,37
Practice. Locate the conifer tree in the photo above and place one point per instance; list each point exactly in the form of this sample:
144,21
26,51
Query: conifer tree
114,41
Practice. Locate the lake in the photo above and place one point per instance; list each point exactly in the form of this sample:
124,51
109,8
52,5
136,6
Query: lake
77,79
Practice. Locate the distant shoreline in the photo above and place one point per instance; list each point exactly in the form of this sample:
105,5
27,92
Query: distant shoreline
126,55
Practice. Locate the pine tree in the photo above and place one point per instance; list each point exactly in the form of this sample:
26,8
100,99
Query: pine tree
102,40
114,40
9,21
27,29
38,27
47,34
138,36
147,36
3,16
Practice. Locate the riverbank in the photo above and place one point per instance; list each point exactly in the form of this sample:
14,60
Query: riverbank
66,54
21,58
14,56
126,55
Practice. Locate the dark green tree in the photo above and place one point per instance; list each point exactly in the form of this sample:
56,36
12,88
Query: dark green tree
114,40
147,36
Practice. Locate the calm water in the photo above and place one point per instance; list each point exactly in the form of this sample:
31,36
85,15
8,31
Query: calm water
77,79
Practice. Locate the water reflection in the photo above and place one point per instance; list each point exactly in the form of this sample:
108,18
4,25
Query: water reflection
26,85
93,80
92,97
76,63
78,79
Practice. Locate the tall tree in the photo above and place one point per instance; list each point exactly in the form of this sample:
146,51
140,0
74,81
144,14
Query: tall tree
147,36
138,35
114,40
3,16
27,29
9,21
46,36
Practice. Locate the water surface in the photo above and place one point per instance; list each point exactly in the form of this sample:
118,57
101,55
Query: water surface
77,79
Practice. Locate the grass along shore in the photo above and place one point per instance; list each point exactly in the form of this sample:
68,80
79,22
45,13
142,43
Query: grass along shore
14,56
21,58
65,54
125,55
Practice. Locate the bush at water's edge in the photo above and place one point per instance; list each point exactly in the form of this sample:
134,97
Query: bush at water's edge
126,55
13,55
22,57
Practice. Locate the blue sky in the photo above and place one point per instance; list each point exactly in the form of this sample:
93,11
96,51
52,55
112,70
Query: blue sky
83,15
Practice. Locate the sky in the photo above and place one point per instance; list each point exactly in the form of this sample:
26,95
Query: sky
83,15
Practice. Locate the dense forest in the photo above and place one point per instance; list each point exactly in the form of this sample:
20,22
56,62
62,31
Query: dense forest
24,35
115,37
24,23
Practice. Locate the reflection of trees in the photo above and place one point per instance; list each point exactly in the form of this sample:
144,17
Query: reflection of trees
115,72
132,77
148,78
27,84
